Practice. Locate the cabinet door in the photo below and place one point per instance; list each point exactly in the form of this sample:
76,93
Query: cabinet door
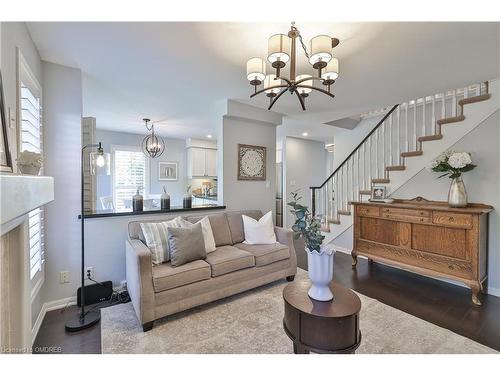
198,162
211,163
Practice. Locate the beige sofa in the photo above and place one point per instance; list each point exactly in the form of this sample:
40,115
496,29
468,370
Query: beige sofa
158,291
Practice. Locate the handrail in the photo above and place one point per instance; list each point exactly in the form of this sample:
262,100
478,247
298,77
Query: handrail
356,149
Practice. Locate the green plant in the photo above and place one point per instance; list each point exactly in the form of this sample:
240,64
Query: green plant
306,225
453,164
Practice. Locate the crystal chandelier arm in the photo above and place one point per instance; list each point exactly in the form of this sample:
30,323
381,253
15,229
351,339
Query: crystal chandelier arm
301,100
276,98
317,89
265,89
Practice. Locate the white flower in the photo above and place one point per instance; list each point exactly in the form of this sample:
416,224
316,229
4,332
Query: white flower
459,160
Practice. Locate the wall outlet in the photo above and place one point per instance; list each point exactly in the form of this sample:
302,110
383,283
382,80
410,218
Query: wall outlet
89,273
64,277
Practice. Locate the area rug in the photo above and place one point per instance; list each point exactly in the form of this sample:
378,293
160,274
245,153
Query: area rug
251,323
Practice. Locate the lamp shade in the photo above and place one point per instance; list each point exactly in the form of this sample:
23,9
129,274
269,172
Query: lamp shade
100,163
321,49
303,90
256,69
278,48
270,81
331,71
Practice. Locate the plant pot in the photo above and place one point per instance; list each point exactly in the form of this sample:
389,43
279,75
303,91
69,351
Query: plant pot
29,169
457,195
187,201
320,268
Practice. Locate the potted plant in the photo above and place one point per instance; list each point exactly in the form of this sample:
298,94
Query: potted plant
319,257
29,162
453,164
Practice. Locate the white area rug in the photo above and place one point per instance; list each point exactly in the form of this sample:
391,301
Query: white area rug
251,322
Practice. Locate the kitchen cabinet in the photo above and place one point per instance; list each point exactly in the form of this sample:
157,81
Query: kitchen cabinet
202,162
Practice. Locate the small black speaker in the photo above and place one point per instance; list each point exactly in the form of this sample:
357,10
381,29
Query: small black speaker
96,293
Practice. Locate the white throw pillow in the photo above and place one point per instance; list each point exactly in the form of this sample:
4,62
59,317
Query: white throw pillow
206,228
259,232
155,235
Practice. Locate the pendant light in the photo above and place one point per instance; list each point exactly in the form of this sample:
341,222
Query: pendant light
152,145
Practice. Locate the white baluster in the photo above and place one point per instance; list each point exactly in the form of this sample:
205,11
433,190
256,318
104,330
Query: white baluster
433,119
407,126
376,153
383,148
415,122
454,103
424,104
443,106
398,130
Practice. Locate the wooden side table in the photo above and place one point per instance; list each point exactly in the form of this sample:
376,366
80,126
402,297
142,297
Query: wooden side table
322,327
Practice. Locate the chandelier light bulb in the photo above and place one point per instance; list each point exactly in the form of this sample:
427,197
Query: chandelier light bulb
256,70
270,81
321,51
278,50
304,90
331,71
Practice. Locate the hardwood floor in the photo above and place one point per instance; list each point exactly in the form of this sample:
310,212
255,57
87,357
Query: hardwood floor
441,303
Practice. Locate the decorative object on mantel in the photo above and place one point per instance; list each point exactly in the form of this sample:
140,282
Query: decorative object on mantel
453,164
281,49
137,202
251,163
187,201
168,171
153,146
5,157
99,164
165,200
319,258
379,194
29,163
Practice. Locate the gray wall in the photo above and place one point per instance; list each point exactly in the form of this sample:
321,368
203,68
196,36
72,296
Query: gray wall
175,151
483,186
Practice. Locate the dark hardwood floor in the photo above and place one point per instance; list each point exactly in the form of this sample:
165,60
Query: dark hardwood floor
438,302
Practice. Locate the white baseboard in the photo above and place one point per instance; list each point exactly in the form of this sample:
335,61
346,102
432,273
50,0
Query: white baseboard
49,306
494,291
342,249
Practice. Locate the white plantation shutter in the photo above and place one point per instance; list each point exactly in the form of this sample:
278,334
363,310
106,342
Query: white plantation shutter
129,174
32,140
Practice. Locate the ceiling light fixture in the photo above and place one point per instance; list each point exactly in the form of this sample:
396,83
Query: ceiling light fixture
152,145
281,50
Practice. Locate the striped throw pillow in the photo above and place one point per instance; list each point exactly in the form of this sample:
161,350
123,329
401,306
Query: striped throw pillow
156,238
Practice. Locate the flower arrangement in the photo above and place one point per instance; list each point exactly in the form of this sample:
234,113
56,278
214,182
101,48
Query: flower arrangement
453,164
306,225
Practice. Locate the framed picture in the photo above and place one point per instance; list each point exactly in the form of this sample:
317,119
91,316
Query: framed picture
168,171
251,163
5,157
378,193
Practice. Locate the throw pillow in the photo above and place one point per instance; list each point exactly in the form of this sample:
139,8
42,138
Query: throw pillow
259,232
186,245
208,234
155,235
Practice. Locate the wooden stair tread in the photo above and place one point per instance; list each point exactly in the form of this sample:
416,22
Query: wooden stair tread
449,120
344,212
395,168
365,192
474,99
411,153
433,137
380,180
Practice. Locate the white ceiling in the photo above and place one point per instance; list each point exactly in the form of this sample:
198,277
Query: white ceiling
181,74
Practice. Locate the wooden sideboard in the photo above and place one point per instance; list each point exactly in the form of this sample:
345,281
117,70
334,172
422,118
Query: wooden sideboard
426,237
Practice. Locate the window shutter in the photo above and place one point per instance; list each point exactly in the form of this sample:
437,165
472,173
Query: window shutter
129,175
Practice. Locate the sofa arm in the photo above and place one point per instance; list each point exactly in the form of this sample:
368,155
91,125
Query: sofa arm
285,237
140,279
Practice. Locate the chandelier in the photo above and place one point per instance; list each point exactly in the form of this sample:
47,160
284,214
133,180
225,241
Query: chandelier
152,145
282,50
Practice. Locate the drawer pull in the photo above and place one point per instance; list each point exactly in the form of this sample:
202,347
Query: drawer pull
451,218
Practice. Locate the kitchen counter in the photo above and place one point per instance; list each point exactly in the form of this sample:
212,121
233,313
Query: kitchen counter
153,211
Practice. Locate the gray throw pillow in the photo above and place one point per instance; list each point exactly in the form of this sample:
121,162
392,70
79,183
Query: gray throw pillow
186,244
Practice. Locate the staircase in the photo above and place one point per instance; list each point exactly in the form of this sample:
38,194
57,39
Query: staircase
406,140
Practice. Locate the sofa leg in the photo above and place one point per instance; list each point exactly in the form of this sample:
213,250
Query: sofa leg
290,278
147,326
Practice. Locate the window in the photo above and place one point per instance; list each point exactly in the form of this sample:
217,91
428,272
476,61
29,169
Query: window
130,166
31,139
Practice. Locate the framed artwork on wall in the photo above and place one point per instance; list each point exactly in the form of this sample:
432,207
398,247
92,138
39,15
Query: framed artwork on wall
251,163
168,171
5,157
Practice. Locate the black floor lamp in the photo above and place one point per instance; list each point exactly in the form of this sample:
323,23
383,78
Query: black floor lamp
99,164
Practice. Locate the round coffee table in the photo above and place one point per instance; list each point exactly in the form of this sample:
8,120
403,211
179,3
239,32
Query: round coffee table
322,327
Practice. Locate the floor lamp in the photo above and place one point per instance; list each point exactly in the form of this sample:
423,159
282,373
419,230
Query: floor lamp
99,164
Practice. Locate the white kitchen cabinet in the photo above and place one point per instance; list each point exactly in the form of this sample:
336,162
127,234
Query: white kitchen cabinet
202,162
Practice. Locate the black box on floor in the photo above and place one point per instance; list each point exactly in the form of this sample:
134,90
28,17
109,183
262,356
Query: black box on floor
96,293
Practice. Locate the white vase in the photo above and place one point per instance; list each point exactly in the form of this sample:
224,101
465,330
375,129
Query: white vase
320,268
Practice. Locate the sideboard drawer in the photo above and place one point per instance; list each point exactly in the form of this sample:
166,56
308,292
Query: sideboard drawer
407,218
405,212
368,211
452,219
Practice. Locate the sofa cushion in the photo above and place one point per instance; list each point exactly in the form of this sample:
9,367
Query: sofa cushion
154,235
226,259
165,276
236,223
220,228
186,244
266,254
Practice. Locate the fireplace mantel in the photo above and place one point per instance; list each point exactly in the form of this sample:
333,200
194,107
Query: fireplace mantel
22,194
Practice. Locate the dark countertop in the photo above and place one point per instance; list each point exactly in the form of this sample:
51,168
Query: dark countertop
209,197
129,212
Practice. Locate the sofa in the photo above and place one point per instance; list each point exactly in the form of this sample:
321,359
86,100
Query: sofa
234,267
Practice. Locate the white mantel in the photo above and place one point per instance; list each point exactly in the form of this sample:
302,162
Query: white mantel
20,195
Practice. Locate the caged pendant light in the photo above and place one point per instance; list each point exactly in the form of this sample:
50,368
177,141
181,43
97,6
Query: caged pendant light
153,145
